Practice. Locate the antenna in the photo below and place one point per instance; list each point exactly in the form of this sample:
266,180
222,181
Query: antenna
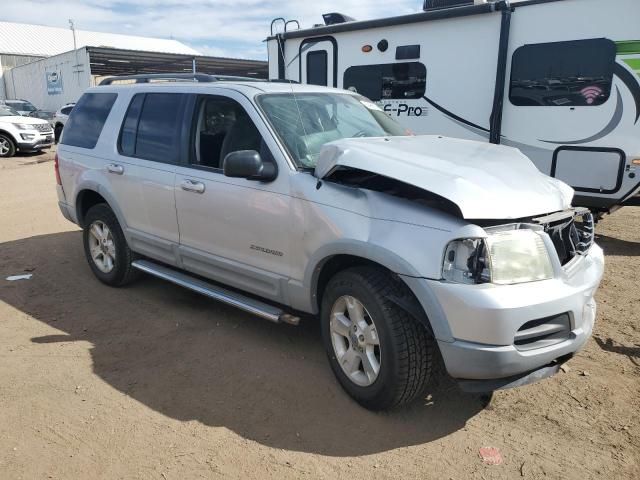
293,93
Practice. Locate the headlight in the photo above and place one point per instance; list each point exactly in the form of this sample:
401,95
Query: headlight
504,258
22,126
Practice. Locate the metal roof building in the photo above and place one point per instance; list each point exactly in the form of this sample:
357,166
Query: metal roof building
99,54
40,41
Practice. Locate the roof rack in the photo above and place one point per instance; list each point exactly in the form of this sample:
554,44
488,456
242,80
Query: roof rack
195,77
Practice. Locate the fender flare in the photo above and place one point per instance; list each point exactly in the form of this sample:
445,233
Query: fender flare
430,314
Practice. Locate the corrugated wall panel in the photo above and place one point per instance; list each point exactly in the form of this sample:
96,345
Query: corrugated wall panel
29,82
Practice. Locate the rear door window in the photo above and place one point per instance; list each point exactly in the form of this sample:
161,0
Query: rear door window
87,119
392,81
563,74
152,127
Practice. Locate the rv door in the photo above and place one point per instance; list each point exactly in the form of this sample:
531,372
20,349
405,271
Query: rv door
318,58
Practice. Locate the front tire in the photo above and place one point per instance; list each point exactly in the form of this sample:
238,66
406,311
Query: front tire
106,248
381,355
7,146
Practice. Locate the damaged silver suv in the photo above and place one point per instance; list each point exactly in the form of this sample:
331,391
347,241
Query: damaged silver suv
285,200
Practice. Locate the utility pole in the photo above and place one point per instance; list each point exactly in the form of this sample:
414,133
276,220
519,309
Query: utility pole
75,48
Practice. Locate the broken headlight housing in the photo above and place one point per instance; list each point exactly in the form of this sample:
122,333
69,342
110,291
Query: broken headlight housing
504,257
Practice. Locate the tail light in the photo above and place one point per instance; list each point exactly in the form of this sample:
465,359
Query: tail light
56,167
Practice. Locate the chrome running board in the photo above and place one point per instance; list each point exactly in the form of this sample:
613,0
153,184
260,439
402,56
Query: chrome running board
250,305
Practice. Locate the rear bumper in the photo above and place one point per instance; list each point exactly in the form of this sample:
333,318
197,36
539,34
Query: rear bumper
486,320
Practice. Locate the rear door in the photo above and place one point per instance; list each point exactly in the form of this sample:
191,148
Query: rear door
143,170
318,62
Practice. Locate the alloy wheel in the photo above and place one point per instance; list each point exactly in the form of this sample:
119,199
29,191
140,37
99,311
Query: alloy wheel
355,341
102,247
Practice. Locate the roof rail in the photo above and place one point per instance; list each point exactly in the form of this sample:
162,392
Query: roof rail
195,77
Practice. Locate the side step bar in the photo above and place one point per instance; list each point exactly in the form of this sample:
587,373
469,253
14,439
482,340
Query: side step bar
250,305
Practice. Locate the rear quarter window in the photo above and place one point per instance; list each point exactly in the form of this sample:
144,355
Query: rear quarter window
87,119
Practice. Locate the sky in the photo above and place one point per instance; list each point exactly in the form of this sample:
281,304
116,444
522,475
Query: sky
229,28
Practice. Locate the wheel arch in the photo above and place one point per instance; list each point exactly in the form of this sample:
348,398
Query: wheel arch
419,302
90,195
8,134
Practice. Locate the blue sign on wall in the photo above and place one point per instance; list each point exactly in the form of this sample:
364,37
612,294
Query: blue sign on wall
54,83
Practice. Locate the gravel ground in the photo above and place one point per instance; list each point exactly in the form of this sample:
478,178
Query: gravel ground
154,382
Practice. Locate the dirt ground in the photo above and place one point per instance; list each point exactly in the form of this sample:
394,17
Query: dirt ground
154,382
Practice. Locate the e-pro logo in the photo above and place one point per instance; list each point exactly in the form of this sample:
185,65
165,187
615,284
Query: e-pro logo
402,109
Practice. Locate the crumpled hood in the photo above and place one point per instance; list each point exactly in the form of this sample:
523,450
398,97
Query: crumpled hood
485,181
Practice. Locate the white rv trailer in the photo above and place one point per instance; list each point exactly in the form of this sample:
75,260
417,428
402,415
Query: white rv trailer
558,79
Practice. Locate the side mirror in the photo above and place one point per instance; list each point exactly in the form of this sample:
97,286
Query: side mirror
248,164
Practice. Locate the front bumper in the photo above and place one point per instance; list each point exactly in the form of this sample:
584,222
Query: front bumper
38,142
485,320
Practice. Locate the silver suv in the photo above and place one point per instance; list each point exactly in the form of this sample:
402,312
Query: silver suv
286,200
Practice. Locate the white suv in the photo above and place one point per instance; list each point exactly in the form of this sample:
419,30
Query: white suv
308,200
59,120
24,134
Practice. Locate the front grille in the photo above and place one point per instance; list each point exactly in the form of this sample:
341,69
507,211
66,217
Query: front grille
572,232
42,127
543,332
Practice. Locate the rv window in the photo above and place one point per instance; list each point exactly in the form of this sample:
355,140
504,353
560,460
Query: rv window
392,81
563,74
317,68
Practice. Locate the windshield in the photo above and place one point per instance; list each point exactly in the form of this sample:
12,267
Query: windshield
22,106
309,120
8,112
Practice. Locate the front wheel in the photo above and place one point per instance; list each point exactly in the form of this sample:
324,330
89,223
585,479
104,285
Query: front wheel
106,248
7,147
380,354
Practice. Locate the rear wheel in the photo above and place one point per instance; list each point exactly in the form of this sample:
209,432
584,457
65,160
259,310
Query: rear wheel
7,147
57,131
380,354
106,248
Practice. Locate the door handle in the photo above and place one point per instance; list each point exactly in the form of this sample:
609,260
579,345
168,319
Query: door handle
117,169
191,186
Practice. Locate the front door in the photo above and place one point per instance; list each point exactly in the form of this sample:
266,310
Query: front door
232,230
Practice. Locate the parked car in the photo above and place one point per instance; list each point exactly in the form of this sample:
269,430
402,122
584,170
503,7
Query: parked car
43,114
285,200
23,107
20,133
60,119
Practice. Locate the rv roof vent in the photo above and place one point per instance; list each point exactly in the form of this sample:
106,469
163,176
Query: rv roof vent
335,18
439,4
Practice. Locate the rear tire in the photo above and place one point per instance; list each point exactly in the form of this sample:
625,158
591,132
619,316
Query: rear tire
57,132
404,352
7,146
106,248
